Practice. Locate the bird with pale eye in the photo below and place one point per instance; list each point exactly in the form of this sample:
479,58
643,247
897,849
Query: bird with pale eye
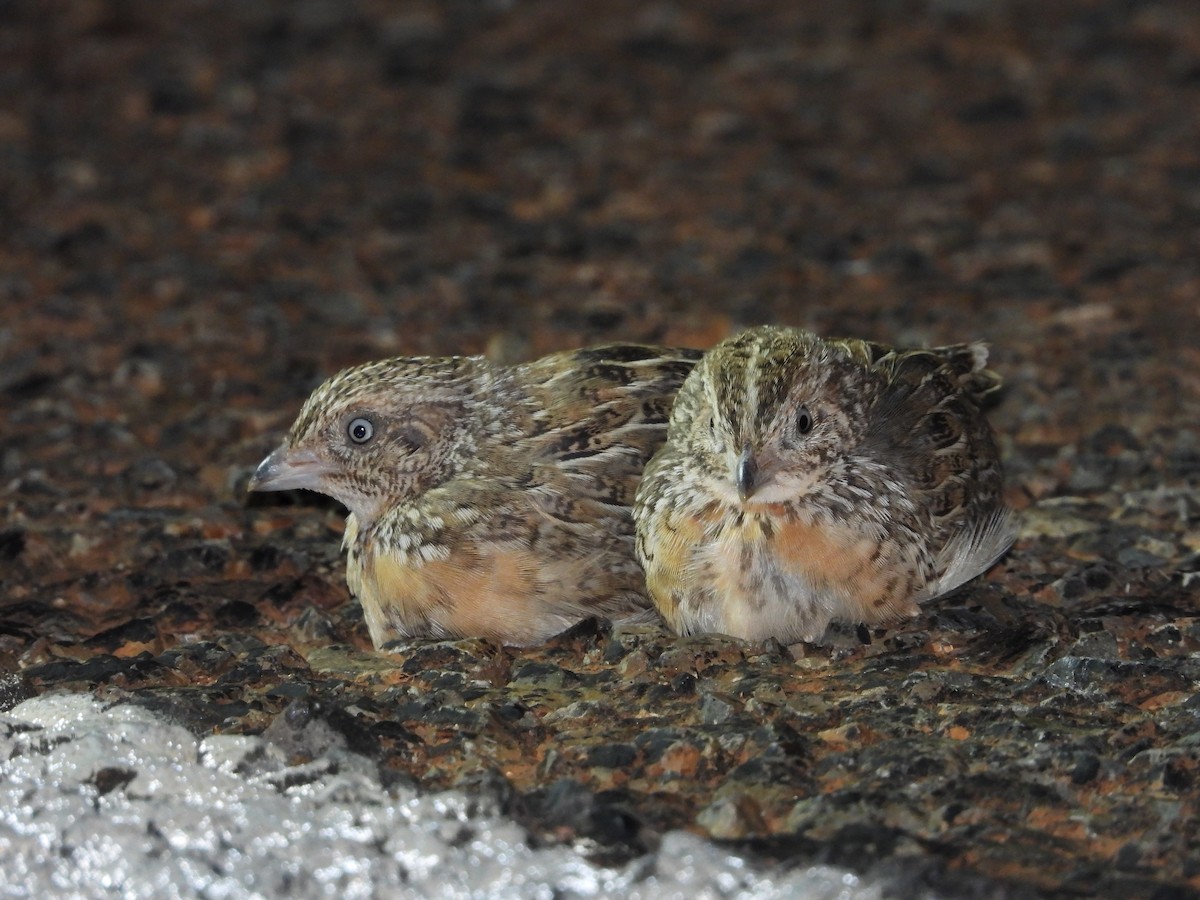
486,500
807,480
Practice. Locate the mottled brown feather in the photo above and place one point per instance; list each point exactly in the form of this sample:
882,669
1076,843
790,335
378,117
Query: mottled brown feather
491,501
750,525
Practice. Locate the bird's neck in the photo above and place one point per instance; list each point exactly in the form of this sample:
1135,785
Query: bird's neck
408,531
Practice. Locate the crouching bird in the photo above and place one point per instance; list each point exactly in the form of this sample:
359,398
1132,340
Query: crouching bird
806,480
486,500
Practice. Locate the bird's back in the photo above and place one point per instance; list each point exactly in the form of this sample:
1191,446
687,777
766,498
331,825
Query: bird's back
928,423
602,413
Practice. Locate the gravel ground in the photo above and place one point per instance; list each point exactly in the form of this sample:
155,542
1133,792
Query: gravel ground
100,800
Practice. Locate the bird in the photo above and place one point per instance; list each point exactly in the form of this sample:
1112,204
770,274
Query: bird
486,500
807,480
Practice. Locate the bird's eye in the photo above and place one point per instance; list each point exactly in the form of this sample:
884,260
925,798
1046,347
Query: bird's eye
360,430
804,420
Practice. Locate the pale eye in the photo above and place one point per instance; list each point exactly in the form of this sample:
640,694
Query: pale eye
360,430
804,420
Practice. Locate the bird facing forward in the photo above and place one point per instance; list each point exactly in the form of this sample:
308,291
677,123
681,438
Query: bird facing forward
806,480
485,500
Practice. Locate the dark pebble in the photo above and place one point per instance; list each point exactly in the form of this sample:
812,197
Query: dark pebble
489,108
684,683
111,778
196,558
14,688
422,656
413,58
611,756
1071,588
299,712
1110,440
135,631
12,543
290,690
237,614
540,674
583,634
408,210
1097,578
1177,777
1086,768
469,720
1129,857
1137,558
653,742
614,652
99,668
773,767
265,556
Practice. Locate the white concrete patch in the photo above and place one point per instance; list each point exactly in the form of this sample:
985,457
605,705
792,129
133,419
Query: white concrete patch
99,800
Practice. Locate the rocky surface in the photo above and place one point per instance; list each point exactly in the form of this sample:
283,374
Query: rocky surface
206,209
99,799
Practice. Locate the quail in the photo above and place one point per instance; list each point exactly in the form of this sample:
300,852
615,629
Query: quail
486,500
807,480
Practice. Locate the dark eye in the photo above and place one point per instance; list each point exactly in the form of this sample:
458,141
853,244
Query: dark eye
804,420
360,430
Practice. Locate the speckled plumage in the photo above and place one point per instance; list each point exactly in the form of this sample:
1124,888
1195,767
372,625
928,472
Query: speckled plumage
486,500
806,480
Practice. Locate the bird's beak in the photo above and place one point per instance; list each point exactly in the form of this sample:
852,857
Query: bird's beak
746,473
287,469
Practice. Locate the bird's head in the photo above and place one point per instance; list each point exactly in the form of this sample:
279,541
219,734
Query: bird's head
767,412
380,433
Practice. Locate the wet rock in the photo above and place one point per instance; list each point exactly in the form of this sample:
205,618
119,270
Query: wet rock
545,676
1085,769
611,756
14,688
567,807
717,710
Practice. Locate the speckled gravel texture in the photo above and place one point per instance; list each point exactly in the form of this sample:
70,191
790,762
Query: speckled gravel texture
207,208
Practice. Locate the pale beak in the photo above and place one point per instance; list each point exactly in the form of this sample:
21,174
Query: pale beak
746,474
286,470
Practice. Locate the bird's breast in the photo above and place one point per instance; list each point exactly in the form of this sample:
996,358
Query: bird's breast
772,569
441,590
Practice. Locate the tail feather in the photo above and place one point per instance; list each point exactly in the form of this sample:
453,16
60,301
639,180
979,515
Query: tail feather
972,552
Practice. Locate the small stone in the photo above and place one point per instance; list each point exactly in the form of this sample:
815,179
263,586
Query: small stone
14,688
681,759
1085,769
543,675
610,756
731,819
715,710
633,665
